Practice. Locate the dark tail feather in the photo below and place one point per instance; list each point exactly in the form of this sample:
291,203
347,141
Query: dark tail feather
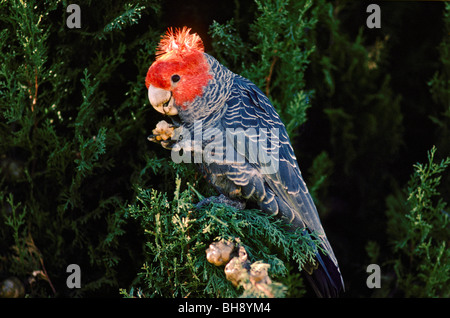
326,280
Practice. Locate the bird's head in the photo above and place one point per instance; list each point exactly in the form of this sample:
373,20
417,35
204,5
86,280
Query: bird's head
179,73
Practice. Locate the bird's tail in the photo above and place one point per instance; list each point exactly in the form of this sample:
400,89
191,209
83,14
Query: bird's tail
326,279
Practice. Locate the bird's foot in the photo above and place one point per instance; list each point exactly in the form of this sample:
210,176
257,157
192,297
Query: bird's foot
165,134
223,200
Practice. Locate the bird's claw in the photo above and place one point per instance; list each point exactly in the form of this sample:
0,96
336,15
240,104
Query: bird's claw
163,131
164,134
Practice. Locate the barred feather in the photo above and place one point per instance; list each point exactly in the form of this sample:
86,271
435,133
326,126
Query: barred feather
232,102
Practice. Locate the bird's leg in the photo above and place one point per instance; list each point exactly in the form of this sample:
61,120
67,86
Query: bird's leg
234,203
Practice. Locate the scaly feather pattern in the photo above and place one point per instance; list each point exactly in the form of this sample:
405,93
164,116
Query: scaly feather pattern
234,105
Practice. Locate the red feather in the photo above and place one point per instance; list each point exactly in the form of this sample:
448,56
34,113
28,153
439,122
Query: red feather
178,42
181,53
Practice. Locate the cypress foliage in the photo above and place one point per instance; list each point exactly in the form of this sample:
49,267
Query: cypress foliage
64,137
418,230
178,234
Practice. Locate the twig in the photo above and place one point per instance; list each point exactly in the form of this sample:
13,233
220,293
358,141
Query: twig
36,85
269,77
46,275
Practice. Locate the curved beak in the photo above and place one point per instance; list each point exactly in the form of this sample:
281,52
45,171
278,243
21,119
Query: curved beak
162,100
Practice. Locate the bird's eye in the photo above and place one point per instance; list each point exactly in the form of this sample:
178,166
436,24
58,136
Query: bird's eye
175,78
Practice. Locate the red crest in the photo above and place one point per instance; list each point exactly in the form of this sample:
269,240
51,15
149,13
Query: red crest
178,43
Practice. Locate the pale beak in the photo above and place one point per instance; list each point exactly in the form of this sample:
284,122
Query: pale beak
162,100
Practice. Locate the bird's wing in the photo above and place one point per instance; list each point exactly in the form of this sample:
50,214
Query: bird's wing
250,110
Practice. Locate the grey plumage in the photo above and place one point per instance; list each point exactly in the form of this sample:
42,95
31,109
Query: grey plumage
229,107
